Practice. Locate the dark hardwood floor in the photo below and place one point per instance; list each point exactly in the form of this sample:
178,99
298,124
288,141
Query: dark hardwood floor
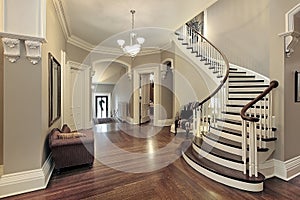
144,162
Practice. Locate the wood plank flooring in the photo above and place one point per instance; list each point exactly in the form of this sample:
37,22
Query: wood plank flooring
128,175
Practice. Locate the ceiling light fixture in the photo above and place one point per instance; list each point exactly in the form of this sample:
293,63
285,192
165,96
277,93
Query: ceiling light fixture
133,48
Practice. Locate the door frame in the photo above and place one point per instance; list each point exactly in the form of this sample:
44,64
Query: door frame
94,103
137,71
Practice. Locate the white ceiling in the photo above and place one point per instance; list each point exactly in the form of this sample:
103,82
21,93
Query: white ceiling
93,21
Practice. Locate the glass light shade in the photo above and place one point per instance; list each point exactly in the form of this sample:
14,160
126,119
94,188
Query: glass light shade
140,40
132,50
121,42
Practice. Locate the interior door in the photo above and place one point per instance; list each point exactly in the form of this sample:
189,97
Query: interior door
77,79
144,98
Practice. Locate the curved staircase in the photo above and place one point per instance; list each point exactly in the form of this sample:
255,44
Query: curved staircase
228,145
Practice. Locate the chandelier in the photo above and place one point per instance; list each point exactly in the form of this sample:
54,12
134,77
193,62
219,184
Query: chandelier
135,42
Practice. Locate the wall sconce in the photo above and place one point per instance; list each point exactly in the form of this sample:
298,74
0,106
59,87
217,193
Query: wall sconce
163,71
129,74
33,51
11,49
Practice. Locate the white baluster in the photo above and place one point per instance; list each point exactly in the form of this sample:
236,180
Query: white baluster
244,145
270,128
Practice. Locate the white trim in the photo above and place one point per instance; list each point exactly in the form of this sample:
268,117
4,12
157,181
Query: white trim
218,160
165,122
287,170
267,168
253,187
222,147
26,181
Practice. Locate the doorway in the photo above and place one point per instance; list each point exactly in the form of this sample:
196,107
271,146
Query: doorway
101,105
142,107
145,97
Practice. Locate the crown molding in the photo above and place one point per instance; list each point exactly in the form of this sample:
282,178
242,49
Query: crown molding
62,18
78,42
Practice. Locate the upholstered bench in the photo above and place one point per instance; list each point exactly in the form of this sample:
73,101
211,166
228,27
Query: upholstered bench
71,148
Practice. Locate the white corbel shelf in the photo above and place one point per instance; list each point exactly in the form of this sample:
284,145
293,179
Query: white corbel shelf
291,39
11,45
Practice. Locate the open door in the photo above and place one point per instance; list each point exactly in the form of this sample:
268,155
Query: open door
144,98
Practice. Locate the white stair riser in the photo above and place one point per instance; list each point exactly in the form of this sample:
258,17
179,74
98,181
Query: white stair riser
238,110
218,160
229,125
246,83
242,95
252,89
223,147
255,187
243,102
233,78
233,117
226,135
263,156
238,118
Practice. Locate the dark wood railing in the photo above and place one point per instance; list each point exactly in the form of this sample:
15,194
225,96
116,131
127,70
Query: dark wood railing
273,84
225,76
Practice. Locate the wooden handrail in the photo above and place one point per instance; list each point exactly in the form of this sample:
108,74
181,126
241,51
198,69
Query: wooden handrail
273,84
226,74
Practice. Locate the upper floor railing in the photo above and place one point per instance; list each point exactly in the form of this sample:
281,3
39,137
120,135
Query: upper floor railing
208,110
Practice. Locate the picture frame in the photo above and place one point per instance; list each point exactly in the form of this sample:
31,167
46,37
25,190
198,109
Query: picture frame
54,89
297,86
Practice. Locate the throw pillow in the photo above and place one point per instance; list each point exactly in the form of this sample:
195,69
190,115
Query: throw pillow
70,135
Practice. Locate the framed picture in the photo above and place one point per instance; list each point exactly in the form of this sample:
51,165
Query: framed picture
297,86
54,89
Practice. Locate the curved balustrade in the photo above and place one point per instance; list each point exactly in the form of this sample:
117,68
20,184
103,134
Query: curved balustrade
206,111
257,125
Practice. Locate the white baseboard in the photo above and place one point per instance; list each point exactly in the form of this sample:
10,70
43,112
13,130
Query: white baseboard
287,170
165,122
26,181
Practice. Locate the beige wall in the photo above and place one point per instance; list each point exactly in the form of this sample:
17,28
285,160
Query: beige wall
22,115
240,29
77,54
189,85
1,101
146,59
55,43
278,71
291,109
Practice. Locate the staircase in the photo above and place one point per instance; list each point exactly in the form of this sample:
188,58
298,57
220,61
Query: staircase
233,128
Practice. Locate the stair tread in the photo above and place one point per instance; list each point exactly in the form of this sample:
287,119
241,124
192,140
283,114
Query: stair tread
237,72
221,170
243,98
223,140
244,81
241,106
248,86
237,122
241,76
227,130
239,133
216,152
245,92
237,113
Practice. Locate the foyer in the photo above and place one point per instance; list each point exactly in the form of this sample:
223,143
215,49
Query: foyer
231,64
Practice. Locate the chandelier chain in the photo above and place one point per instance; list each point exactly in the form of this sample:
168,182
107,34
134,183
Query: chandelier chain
132,19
